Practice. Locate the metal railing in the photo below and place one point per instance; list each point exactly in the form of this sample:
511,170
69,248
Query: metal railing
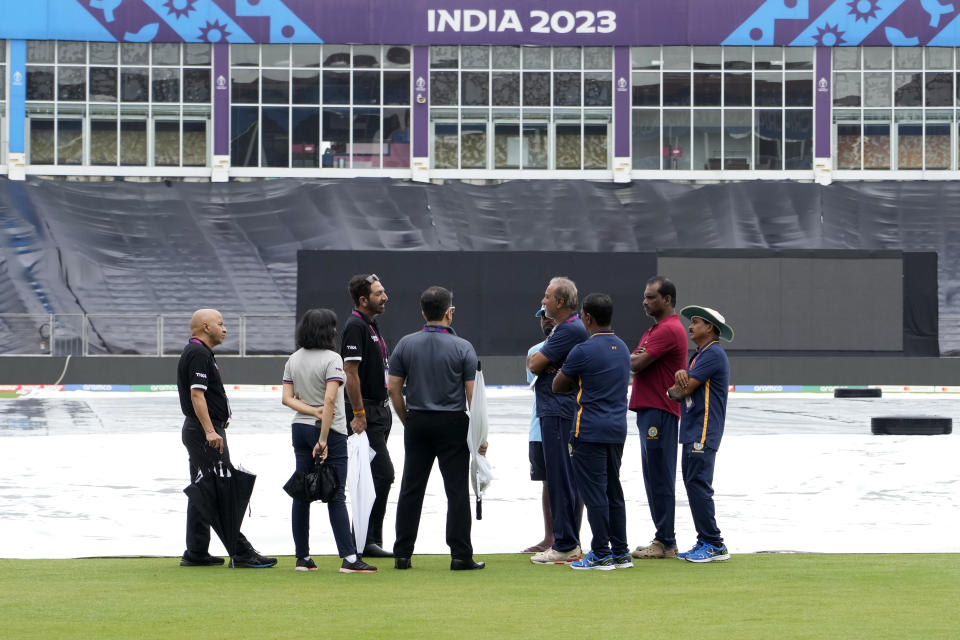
137,334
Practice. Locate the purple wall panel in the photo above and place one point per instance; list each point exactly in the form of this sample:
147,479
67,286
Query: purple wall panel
421,102
823,103
221,99
621,102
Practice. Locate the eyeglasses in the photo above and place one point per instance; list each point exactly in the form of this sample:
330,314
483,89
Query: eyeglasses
372,278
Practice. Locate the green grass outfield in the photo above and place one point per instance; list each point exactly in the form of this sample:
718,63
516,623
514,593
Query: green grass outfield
750,596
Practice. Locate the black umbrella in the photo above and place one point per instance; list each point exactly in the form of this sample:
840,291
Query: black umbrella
222,497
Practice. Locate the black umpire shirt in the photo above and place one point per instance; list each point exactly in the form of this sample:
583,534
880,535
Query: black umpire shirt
362,342
198,369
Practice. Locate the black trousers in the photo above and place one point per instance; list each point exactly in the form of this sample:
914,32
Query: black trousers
202,460
440,436
379,421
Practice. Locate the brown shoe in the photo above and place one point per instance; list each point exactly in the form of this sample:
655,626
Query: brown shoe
654,550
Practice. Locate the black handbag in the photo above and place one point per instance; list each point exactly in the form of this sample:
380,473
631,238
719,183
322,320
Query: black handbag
320,483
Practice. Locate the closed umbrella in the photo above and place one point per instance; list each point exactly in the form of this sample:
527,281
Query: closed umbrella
360,485
480,472
222,497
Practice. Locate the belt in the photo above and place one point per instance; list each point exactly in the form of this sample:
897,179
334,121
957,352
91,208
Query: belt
377,403
222,424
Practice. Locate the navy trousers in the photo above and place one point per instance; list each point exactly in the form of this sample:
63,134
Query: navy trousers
658,456
697,466
304,438
560,485
440,436
596,467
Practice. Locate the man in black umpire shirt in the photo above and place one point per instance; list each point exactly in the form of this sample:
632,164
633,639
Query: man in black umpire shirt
204,403
365,363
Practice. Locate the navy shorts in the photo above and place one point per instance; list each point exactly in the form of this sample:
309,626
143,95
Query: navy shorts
538,468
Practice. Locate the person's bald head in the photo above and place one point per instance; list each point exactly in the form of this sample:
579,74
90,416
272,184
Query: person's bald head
207,325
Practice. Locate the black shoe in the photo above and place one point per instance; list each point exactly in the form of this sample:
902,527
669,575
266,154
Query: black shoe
373,550
251,560
196,560
357,566
466,565
402,563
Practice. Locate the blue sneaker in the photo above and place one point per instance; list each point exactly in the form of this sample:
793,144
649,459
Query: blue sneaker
708,553
623,562
683,555
592,561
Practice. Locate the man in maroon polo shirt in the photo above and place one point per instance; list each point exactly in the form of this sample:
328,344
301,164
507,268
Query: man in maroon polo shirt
660,353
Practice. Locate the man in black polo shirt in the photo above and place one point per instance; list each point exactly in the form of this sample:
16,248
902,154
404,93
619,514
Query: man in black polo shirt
207,411
439,368
365,363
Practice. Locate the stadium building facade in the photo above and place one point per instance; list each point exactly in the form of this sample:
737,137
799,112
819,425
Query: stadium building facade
488,89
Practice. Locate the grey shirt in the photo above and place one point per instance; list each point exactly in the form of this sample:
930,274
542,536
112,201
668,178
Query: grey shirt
309,371
436,364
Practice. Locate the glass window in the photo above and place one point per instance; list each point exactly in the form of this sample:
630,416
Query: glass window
474,57
366,138
443,87
768,58
336,55
196,85
306,87
506,57
506,145
645,57
939,57
536,89
908,57
476,88
366,87
707,139
133,140
909,124
595,145
676,58
506,91
397,57
275,86
244,55
194,143
444,57
676,90
103,85
737,58
336,87
768,89
798,89
396,87
737,91
646,89
305,137
768,137
597,89
71,83
71,52
939,89
134,84
166,143
396,138
536,58
445,145
798,57
599,58
536,138
134,53
646,139
103,53
566,89
707,88
275,55
848,145
707,58
473,141
40,83
41,51
876,58
103,140
908,89
366,56
846,89
166,86
877,91
275,136
798,139
737,139
244,86
936,140
244,137
166,53
566,58
42,140
306,55
846,58
335,140
676,140
568,145
197,54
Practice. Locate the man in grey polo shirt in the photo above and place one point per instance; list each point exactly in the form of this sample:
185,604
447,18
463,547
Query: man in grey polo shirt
439,369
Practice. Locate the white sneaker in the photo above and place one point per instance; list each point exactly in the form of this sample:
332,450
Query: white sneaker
552,556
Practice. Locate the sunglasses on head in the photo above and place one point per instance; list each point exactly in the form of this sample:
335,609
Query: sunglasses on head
372,278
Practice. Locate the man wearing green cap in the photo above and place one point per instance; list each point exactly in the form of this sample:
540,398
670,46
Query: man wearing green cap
702,390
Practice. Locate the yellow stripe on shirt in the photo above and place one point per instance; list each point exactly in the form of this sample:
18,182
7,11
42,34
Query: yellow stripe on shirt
706,411
576,433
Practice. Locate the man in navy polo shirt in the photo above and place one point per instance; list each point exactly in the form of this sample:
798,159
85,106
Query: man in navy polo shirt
661,352
600,367
556,413
702,389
